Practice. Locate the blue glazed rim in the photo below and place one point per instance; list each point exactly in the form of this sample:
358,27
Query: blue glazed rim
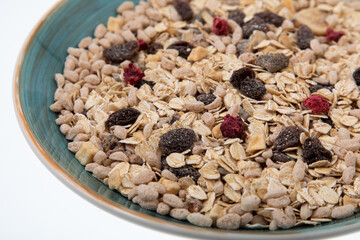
103,197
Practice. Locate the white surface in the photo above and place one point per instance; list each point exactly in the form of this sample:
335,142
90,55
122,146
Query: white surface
33,203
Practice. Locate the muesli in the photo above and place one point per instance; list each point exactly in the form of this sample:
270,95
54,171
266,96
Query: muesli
232,113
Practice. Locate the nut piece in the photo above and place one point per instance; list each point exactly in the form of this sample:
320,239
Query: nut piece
197,54
86,153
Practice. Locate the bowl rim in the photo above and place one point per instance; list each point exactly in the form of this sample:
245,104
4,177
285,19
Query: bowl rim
132,216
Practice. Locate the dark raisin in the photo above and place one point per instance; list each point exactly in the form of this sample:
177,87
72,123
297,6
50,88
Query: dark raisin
153,48
143,82
185,171
206,98
273,62
237,16
122,52
240,75
183,8
254,24
194,205
271,18
175,117
288,137
315,151
111,143
252,88
317,87
281,157
356,76
177,140
244,114
304,37
123,117
184,48
244,46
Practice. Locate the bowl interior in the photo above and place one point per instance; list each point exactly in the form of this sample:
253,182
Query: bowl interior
43,56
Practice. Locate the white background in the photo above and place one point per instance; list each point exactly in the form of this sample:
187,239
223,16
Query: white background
33,203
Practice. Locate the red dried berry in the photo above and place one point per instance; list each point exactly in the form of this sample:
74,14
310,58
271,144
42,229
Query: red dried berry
133,75
317,104
233,127
142,44
332,35
220,26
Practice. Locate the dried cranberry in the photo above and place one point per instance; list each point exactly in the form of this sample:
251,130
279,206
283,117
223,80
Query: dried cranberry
317,104
356,76
153,48
254,24
233,127
271,18
122,52
273,62
185,171
304,37
123,117
237,16
183,8
315,151
133,75
220,26
281,157
288,137
332,35
239,75
142,44
177,140
184,48
206,98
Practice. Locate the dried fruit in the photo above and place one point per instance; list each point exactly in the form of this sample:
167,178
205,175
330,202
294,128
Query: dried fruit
252,88
110,143
184,48
237,16
240,75
315,151
317,104
281,157
317,87
122,52
304,37
133,75
271,18
233,127
206,98
254,24
356,76
142,44
123,117
332,35
185,171
220,26
273,62
288,137
176,141
153,47
194,205
183,8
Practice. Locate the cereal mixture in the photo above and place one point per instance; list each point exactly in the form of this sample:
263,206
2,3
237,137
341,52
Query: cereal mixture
226,113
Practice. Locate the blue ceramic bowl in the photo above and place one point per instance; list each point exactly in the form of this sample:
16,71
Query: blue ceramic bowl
42,56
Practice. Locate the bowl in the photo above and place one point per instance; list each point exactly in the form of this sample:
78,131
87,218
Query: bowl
42,56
